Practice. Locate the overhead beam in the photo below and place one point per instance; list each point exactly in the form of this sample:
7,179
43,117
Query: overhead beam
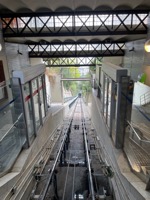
57,50
68,62
75,23
75,79
73,13
71,65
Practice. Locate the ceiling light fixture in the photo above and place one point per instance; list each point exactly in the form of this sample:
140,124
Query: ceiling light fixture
147,46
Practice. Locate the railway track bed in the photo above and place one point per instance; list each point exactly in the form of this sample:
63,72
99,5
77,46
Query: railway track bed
74,168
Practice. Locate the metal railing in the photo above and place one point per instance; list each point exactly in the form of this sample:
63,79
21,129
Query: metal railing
139,138
137,150
145,98
68,99
136,134
11,143
12,125
91,186
65,139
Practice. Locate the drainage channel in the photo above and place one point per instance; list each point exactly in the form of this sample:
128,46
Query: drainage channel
69,173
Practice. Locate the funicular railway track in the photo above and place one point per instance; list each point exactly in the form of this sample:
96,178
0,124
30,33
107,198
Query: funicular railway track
68,174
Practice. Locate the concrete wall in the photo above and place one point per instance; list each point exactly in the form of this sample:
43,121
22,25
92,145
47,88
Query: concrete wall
36,61
126,185
3,56
56,90
137,60
17,56
141,119
117,60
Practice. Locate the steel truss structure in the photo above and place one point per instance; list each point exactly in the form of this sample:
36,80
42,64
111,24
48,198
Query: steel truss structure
75,23
57,50
72,61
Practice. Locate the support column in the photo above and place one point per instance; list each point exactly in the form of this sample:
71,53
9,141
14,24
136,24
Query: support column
112,106
103,102
121,105
107,96
118,134
62,86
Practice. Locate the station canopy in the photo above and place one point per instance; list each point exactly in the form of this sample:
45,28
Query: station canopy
62,29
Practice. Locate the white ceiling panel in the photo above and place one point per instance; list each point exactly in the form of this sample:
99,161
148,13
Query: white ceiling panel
34,5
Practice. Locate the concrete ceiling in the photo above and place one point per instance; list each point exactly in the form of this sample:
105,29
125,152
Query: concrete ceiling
119,38
75,5
55,5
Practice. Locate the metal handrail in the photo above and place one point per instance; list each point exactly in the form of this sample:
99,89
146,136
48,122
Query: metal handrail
11,127
53,168
88,162
147,141
145,98
89,167
68,98
145,93
43,194
139,127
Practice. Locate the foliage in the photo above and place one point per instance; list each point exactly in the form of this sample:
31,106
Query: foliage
74,86
93,69
71,72
85,88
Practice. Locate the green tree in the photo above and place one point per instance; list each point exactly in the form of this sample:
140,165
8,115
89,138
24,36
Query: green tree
74,86
71,72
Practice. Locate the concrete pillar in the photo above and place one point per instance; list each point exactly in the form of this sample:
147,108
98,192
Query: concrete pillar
103,101
121,104
62,95
112,106
107,99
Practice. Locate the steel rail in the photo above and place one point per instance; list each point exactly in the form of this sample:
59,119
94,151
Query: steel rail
66,178
42,197
43,194
73,180
88,161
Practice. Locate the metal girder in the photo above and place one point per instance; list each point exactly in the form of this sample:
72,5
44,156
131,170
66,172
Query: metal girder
75,79
68,62
57,50
75,23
